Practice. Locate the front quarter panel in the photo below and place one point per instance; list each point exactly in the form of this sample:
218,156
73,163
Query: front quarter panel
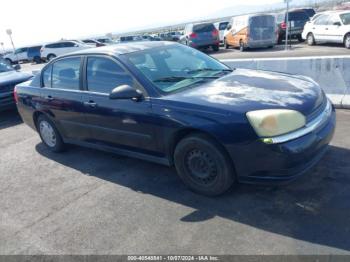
175,117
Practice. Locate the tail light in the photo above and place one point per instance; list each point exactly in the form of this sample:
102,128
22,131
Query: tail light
284,25
193,35
215,33
15,95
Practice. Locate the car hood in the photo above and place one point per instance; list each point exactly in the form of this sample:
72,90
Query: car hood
245,90
13,77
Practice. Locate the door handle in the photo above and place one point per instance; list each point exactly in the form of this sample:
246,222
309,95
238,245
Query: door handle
50,98
90,104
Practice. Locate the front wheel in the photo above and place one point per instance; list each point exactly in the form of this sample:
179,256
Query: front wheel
49,134
203,165
347,41
241,46
310,39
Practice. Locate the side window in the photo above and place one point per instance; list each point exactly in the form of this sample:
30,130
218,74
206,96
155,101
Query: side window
47,76
65,73
103,75
322,20
67,44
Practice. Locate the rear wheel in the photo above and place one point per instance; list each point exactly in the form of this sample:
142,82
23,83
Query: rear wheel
310,39
300,39
203,165
49,134
347,41
226,45
37,60
216,48
50,57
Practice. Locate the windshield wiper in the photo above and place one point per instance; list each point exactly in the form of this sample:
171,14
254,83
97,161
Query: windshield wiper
181,78
208,70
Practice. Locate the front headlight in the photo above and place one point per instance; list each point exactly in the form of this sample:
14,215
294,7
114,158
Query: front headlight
275,122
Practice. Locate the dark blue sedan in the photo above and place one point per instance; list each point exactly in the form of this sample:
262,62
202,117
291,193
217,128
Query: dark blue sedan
171,104
9,77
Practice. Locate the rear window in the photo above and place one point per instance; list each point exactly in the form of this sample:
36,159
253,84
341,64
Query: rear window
297,16
223,26
201,28
262,21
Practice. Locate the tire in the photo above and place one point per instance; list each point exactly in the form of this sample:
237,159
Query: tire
310,39
50,57
241,46
216,48
49,134
8,60
300,39
280,40
347,41
37,60
203,165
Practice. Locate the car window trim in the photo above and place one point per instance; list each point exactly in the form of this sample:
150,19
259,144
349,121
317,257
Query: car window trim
137,84
52,64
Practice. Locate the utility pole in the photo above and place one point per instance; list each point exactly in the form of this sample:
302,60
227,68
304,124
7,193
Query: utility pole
3,49
9,32
287,23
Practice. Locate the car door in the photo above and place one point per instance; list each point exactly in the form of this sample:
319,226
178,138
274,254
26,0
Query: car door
319,28
119,123
334,29
61,97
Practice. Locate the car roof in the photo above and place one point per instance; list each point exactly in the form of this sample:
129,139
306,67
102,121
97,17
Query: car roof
123,48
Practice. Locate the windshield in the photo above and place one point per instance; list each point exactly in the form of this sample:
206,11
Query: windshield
175,67
4,66
345,18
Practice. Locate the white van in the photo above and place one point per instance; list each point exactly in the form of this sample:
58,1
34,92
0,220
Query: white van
221,27
251,31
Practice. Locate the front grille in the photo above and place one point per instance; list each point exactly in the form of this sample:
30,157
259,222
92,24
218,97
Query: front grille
7,88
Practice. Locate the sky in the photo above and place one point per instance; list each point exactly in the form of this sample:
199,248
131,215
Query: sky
37,21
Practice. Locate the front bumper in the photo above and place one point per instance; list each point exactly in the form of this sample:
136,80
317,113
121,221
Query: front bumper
261,163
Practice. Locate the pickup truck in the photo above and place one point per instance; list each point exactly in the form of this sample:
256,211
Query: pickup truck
9,77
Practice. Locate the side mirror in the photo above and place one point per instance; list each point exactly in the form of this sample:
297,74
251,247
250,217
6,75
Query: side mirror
229,26
337,23
125,92
16,67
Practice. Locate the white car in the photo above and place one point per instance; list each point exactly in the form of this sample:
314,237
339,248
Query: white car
52,50
20,54
331,27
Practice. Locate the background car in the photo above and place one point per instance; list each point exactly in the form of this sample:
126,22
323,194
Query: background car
105,40
201,35
221,27
251,31
331,27
93,42
297,21
33,54
52,50
9,77
19,55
